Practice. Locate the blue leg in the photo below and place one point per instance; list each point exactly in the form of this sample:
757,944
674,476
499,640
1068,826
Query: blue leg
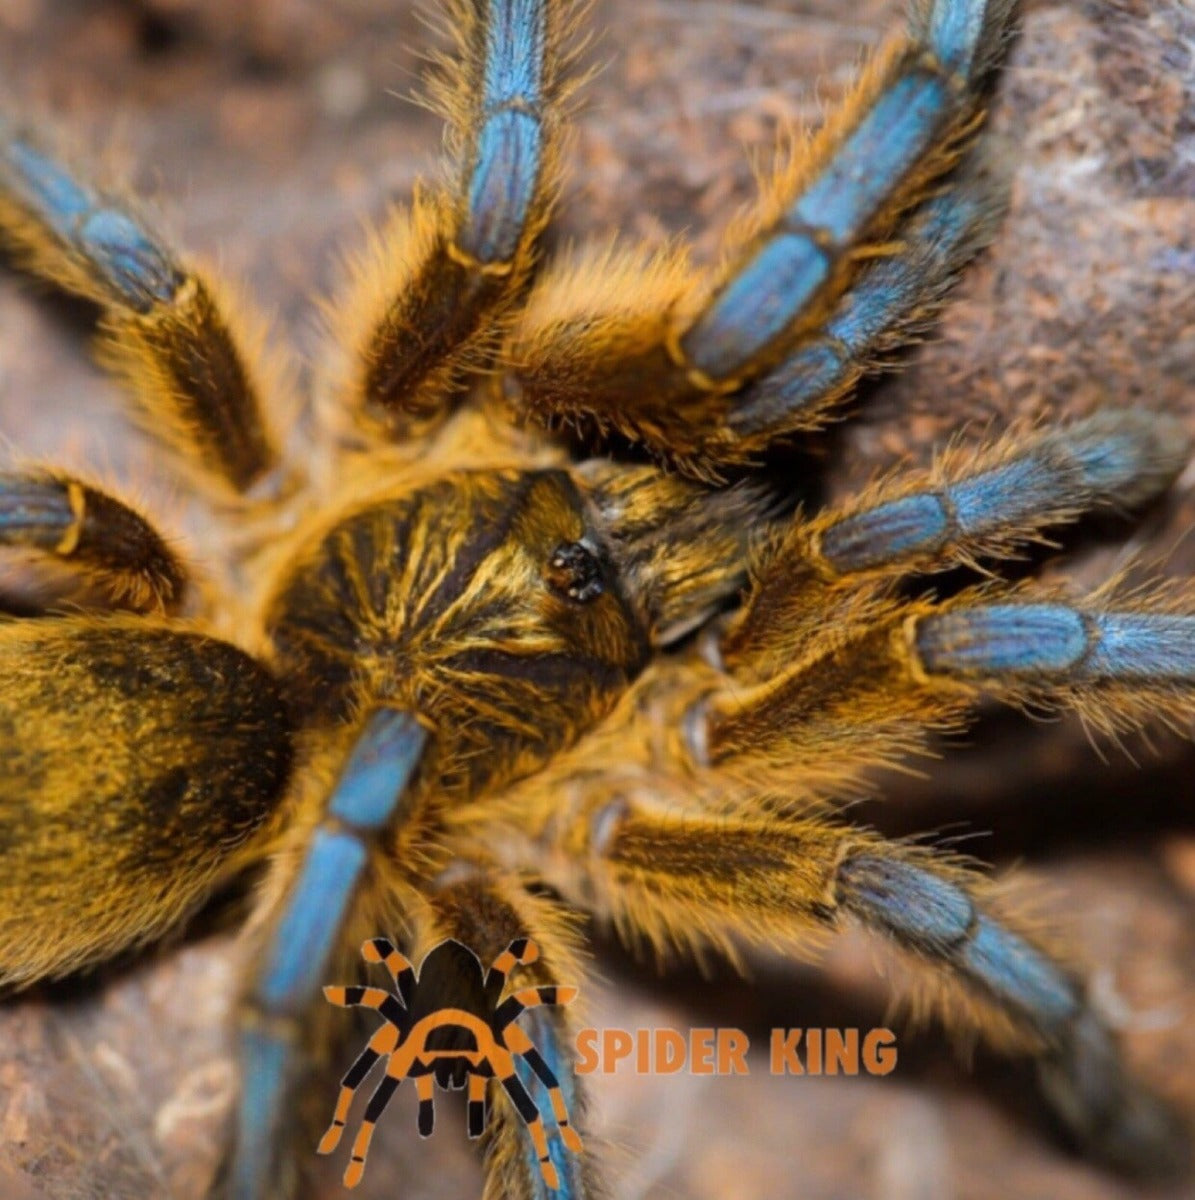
931,913
971,505
78,236
434,298
498,920
507,160
538,1071
928,90
366,799
773,877
862,233
1056,644
984,503
892,299
82,527
166,331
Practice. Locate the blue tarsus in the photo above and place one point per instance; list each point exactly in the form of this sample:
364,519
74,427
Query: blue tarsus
1080,1067
894,134
925,95
834,211
32,504
266,1070
1143,646
955,30
516,40
936,240
934,916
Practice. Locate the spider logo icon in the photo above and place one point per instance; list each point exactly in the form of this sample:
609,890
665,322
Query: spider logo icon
444,1025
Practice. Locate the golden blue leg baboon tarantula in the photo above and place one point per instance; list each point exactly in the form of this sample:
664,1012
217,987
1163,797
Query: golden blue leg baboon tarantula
528,673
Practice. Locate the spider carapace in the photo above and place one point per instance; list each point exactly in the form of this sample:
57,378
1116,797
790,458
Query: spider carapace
527,632
486,601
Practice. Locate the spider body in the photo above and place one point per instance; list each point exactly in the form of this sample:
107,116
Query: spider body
516,677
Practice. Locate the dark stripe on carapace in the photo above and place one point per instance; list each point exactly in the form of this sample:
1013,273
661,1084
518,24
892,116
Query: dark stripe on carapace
542,670
378,605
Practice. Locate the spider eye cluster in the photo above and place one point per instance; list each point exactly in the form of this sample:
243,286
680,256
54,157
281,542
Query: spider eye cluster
575,571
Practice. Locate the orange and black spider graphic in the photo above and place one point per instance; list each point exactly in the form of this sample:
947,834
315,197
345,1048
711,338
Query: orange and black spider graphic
446,1025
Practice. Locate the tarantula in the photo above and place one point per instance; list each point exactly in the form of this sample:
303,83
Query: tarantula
580,653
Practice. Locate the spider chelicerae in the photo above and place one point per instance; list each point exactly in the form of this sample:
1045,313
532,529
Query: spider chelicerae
556,728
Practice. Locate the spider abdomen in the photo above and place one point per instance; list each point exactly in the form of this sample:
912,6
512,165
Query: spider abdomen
132,751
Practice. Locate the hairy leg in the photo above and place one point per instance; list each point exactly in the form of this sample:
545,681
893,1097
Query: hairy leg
191,354
674,879
487,914
100,539
312,914
645,346
431,294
